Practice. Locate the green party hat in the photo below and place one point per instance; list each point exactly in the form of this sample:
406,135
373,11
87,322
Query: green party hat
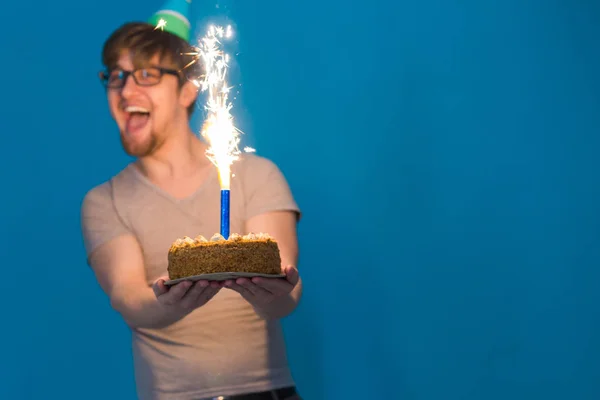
173,17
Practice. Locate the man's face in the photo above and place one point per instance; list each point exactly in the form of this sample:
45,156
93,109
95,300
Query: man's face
145,114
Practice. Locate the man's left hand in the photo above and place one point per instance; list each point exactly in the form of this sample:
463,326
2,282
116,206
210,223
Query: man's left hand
260,291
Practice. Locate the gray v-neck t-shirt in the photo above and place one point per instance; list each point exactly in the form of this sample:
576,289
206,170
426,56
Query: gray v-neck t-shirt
223,347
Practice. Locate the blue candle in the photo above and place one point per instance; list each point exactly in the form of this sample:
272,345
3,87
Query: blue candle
225,213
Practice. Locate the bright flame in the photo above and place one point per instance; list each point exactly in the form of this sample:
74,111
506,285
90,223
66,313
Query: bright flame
218,128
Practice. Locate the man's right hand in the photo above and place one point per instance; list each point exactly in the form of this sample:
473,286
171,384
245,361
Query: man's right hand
119,268
186,295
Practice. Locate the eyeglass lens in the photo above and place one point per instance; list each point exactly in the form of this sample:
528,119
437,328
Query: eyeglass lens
142,76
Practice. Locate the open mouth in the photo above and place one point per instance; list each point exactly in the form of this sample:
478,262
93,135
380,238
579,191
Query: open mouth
137,118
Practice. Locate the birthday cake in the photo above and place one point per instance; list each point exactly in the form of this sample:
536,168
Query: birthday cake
251,253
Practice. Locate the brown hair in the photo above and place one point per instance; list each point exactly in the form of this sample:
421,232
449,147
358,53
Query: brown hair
144,41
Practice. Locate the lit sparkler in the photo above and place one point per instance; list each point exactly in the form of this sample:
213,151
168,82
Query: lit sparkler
218,128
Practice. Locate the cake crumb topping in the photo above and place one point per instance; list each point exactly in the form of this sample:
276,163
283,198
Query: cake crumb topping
217,238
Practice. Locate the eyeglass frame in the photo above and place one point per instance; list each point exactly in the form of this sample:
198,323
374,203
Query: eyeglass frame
105,74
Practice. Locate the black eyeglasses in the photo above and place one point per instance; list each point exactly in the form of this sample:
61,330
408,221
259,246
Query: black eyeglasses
148,76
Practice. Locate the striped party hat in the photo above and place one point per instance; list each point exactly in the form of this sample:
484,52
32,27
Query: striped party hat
174,17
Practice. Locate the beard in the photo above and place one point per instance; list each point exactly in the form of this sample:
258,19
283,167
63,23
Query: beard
142,149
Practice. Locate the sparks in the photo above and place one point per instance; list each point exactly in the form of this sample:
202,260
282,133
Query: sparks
218,129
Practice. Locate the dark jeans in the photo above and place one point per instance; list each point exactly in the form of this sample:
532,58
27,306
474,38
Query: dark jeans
288,393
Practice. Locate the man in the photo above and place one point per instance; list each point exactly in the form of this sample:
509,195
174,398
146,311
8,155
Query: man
200,340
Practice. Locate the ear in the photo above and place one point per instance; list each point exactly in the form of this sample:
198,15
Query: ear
188,94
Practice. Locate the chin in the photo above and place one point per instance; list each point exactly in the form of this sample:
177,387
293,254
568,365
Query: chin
138,148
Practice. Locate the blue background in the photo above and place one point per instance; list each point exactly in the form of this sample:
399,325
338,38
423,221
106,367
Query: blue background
444,154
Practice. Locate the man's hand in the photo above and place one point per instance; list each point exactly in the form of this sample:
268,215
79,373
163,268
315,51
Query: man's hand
261,292
185,296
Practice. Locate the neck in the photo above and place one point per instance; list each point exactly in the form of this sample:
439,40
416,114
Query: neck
180,156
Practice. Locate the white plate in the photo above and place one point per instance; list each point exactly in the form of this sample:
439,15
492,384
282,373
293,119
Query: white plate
221,276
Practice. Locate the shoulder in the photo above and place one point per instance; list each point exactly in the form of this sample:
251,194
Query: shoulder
101,196
254,168
264,186
255,163
256,173
101,220
97,195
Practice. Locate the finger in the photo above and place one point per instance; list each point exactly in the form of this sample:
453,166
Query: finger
292,275
192,295
217,284
159,287
206,295
227,282
240,289
256,290
275,286
247,283
176,293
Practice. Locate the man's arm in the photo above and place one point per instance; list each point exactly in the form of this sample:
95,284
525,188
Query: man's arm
119,268
274,298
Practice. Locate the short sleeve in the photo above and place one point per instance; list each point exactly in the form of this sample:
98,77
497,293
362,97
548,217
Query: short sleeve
267,188
100,221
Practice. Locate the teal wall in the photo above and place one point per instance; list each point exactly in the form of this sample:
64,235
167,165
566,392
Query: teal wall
445,157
